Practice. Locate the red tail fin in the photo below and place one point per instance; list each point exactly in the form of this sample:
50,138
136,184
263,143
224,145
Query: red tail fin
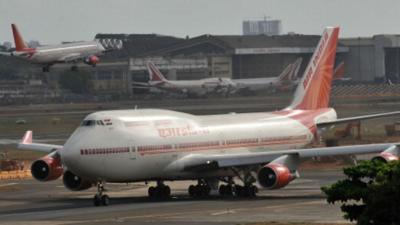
314,89
18,41
154,73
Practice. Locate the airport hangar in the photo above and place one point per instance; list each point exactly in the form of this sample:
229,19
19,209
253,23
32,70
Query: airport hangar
235,56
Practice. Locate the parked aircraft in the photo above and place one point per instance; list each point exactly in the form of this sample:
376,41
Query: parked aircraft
162,145
46,56
218,85
286,78
191,88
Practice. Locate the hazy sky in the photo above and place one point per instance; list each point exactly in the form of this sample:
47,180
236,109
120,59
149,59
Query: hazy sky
53,21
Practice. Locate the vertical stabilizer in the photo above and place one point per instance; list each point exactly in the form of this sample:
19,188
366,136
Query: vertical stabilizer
295,69
314,89
18,41
154,73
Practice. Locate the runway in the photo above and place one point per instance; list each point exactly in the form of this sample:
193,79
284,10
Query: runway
33,202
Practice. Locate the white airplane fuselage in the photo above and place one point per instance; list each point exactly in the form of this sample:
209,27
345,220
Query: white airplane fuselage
61,53
195,87
139,145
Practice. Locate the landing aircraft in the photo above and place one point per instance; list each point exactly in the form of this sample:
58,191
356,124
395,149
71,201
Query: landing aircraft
46,56
238,150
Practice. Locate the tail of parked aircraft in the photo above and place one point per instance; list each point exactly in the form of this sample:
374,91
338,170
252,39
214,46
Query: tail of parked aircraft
18,41
314,89
339,71
154,73
295,69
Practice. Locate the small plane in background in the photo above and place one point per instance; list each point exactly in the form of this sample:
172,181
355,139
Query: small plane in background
46,56
140,145
286,78
218,85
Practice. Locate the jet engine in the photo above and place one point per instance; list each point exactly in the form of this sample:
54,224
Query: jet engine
47,168
275,176
91,60
386,157
75,183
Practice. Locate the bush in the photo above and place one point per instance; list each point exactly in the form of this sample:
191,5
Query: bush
370,194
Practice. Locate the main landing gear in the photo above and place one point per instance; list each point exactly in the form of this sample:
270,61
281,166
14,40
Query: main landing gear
99,198
231,189
161,191
202,189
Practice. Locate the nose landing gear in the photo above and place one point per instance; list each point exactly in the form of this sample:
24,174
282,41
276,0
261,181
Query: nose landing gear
99,198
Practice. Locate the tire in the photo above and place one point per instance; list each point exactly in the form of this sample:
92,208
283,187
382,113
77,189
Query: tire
105,200
192,190
96,200
152,192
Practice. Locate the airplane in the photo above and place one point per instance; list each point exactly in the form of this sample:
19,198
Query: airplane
46,56
216,85
190,88
286,78
239,150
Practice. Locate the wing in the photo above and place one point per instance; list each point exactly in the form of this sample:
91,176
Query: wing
71,57
358,118
26,144
216,161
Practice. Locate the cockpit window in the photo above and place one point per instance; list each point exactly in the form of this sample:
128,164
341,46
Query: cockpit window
88,123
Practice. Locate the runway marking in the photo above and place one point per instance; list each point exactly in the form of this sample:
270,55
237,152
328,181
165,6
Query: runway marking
8,184
228,211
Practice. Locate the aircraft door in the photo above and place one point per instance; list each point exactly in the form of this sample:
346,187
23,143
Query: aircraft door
132,151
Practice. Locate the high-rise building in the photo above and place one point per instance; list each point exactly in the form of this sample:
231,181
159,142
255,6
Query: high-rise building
267,27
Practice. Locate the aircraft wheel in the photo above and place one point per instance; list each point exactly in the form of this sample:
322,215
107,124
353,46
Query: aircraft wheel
152,192
105,200
192,190
97,200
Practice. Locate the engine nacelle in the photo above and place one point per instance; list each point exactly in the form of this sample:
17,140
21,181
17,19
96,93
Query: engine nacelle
75,183
91,60
275,176
47,168
386,157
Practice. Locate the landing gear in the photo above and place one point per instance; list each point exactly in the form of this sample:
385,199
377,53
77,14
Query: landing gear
238,190
74,68
202,189
161,191
46,69
99,198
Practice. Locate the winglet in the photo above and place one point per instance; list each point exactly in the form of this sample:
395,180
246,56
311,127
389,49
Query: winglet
27,139
18,41
154,73
339,71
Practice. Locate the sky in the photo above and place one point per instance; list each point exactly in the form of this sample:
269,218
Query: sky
53,21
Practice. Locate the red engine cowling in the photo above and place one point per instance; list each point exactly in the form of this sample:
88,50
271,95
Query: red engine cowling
386,157
75,183
91,60
47,168
274,176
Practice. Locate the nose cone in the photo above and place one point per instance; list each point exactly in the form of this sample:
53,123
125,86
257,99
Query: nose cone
73,158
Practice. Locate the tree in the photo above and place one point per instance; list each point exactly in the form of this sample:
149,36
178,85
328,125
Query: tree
370,194
76,81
